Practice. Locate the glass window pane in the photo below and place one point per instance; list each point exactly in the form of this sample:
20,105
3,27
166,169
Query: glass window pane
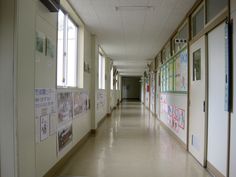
112,78
197,65
100,71
214,7
198,22
103,72
71,54
60,56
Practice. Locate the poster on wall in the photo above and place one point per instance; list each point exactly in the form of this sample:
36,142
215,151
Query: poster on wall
184,70
181,71
81,103
177,74
101,99
45,101
170,114
44,127
45,108
40,42
64,136
170,75
64,106
179,114
50,48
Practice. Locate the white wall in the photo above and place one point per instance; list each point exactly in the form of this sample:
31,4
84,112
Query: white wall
233,115
25,34
8,167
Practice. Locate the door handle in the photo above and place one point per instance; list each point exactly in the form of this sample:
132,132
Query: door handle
203,106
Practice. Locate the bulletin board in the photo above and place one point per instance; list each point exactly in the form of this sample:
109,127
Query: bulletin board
174,73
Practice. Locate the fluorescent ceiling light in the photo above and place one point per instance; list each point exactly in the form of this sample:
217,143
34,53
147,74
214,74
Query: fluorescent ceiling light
133,8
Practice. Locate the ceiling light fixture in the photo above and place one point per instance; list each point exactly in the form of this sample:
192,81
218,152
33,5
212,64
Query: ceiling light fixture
133,8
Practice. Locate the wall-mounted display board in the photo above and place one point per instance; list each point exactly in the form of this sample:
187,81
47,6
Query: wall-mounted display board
174,73
173,113
152,90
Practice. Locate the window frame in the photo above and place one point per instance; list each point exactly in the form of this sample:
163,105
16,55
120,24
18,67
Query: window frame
111,78
67,19
101,71
197,10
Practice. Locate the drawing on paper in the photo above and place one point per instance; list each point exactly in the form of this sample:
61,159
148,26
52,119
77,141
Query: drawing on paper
65,106
81,103
50,49
44,127
40,40
101,99
64,136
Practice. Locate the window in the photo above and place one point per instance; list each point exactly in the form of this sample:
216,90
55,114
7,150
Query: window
166,53
101,72
197,65
198,21
67,51
180,39
214,7
111,78
117,82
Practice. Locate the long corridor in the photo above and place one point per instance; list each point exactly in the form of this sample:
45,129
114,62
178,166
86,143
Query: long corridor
132,143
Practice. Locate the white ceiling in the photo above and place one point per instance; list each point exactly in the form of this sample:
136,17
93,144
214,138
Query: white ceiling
132,36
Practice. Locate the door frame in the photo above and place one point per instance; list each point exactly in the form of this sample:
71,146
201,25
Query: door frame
206,99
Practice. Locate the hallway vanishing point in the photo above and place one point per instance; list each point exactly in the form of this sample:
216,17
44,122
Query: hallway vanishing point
132,143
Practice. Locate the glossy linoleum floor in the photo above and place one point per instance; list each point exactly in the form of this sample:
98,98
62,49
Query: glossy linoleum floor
132,143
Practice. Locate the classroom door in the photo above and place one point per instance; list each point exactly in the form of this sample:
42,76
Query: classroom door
233,115
197,94
218,120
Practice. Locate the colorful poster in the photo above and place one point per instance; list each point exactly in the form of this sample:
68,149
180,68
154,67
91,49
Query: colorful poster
181,118
184,71
177,74
44,127
163,98
170,114
181,72
65,106
64,136
171,73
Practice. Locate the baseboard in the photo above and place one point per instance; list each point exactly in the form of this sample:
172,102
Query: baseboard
93,132
102,120
58,166
213,170
173,134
